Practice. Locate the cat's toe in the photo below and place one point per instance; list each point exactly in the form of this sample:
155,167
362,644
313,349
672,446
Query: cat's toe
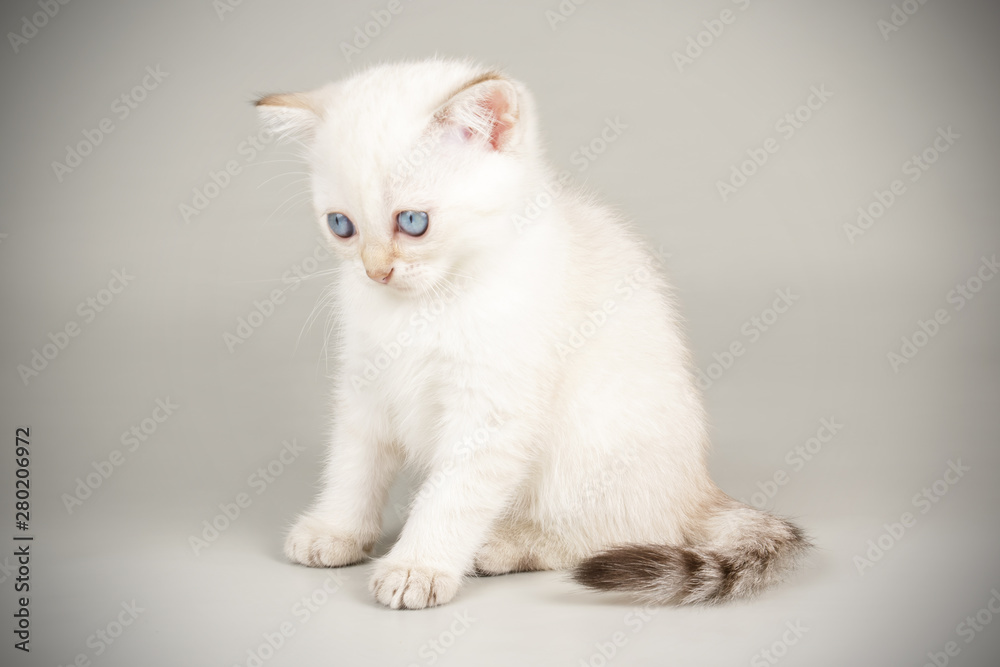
410,587
312,542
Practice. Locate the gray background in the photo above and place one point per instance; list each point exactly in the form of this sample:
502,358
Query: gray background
825,358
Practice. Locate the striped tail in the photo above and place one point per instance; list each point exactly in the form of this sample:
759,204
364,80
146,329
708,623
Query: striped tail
748,552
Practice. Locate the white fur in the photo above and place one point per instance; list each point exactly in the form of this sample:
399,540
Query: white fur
578,449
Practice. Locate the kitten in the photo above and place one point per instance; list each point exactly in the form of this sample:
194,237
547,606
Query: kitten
531,368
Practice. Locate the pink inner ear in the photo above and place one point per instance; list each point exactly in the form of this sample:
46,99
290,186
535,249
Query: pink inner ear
498,106
485,111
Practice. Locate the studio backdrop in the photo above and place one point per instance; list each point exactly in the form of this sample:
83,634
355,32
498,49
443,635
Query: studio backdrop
820,180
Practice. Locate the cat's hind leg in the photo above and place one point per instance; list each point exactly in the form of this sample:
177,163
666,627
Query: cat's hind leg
512,547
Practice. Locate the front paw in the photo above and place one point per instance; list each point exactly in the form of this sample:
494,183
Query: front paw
411,587
314,543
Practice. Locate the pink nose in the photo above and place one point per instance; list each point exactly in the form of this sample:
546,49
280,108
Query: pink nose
380,276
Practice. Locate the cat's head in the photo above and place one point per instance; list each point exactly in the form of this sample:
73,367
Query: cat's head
416,168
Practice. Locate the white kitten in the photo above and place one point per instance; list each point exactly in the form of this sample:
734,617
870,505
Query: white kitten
533,371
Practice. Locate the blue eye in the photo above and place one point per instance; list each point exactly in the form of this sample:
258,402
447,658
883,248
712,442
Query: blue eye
413,223
340,225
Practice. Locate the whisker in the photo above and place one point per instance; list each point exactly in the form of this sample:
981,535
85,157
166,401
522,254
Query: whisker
326,300
289,204
295,182
290,173
318,274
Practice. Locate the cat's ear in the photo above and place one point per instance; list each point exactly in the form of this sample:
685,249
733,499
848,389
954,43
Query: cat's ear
484,110
290,115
